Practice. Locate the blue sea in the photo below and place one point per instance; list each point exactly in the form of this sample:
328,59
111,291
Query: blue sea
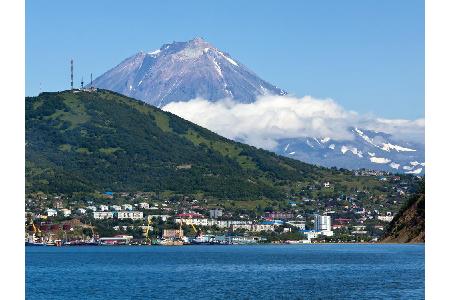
327,271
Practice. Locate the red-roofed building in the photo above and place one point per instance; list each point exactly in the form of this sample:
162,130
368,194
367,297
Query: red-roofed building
189,216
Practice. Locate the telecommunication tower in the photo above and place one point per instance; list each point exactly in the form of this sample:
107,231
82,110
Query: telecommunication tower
71,74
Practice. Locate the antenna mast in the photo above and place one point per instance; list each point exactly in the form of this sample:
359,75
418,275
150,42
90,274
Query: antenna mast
82,82
71,74
91,79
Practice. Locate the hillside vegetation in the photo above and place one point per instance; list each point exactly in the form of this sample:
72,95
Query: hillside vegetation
408,226
98,141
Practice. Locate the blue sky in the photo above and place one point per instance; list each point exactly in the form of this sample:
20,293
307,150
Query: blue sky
366,55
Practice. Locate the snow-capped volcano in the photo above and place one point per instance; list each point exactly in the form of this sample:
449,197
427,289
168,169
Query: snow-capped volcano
368,149
182,71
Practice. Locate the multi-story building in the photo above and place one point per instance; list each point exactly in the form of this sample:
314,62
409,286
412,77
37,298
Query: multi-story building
103,207
132,215
279,215
215,213
322,223
103,215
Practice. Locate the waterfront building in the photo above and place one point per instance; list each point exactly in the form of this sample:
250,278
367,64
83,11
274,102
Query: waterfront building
172,233
298,224
322,223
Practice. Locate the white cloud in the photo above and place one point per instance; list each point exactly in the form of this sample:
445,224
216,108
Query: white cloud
271,118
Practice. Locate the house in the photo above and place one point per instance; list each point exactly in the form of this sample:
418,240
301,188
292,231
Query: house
65,212
116,207
385,218
91,208
326,184
132,215
215,213
127,207
81,211
103,207
100,215
51,212
144,205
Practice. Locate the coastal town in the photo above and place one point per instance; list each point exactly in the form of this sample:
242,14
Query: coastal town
149,218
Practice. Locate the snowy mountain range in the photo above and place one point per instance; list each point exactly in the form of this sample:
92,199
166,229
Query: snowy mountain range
368,149
182,71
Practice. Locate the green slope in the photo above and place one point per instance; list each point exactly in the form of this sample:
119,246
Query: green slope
105,141
408,226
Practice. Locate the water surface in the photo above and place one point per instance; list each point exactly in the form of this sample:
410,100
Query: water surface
331,271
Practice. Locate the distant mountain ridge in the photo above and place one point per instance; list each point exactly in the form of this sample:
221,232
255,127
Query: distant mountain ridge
182,71
368,149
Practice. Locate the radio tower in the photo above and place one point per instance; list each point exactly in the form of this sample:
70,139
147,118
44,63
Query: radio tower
82,82
91,79
71,74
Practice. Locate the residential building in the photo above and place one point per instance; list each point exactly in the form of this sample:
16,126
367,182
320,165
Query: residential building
279,215
386,218
81,211
215,213
51,212
162,217
103,207
322,223
127,207
116,207
299,224
132,215
103,215
144,205
92,208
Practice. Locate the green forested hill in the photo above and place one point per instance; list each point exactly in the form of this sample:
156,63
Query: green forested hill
105,141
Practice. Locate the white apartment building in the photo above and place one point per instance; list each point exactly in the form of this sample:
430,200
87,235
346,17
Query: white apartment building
103,207
103,215
132,215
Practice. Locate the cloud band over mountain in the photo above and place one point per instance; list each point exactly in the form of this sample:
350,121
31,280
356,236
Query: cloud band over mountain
272,117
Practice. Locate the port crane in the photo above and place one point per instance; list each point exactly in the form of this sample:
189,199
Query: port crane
147,230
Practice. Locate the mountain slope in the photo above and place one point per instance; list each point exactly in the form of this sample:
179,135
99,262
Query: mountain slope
408,226
183,71
368,149
97,141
